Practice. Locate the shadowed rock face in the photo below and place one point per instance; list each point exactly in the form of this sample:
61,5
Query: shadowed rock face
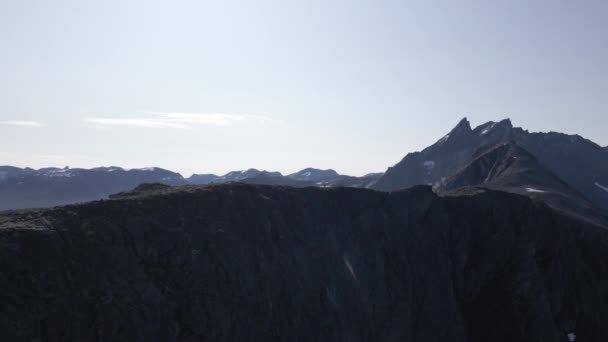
579,162
508,167
260,263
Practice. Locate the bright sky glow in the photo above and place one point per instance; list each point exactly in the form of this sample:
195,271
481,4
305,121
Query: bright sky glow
213,86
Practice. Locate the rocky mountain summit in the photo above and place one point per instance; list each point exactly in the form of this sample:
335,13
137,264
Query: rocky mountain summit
579,162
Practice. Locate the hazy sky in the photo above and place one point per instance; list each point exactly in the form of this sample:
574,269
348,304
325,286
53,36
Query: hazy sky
214,86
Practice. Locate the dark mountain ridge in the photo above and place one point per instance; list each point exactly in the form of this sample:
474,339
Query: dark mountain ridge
259,263
508,167
579,162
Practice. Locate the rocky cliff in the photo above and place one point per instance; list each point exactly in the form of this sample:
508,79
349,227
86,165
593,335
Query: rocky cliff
260,263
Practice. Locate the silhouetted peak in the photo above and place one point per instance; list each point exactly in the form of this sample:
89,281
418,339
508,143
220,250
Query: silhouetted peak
492,127
463,125
505,123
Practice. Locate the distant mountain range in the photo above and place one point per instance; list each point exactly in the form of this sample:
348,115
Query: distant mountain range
29,188
578,163
306,177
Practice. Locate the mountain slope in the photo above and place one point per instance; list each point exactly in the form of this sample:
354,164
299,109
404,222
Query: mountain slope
579,162
508,167
258,263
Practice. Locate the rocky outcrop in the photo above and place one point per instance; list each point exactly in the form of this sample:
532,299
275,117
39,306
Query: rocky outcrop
260,263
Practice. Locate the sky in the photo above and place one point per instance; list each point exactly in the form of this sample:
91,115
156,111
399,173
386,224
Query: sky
213,86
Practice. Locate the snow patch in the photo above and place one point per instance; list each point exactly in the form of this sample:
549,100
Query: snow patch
572,337
444,139
605,188
59,173
533,190
488,129
349,266
147,169
429,164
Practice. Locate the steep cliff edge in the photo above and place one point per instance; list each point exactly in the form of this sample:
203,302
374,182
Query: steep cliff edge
260,263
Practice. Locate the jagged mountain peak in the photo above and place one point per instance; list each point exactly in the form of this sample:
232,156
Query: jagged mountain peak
463,128
577,161
463,124
492,127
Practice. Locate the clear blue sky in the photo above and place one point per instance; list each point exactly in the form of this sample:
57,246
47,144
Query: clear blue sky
213,86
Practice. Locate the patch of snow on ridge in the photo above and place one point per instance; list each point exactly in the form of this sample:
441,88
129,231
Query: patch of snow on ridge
605,188
487,129
59,173
429,164
572,337
444,139
533,190
349,266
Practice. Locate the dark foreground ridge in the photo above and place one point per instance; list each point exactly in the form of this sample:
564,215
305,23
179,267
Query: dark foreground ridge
260,263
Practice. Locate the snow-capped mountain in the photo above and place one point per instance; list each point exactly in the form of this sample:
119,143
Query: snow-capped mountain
303,178
314,175
233,176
